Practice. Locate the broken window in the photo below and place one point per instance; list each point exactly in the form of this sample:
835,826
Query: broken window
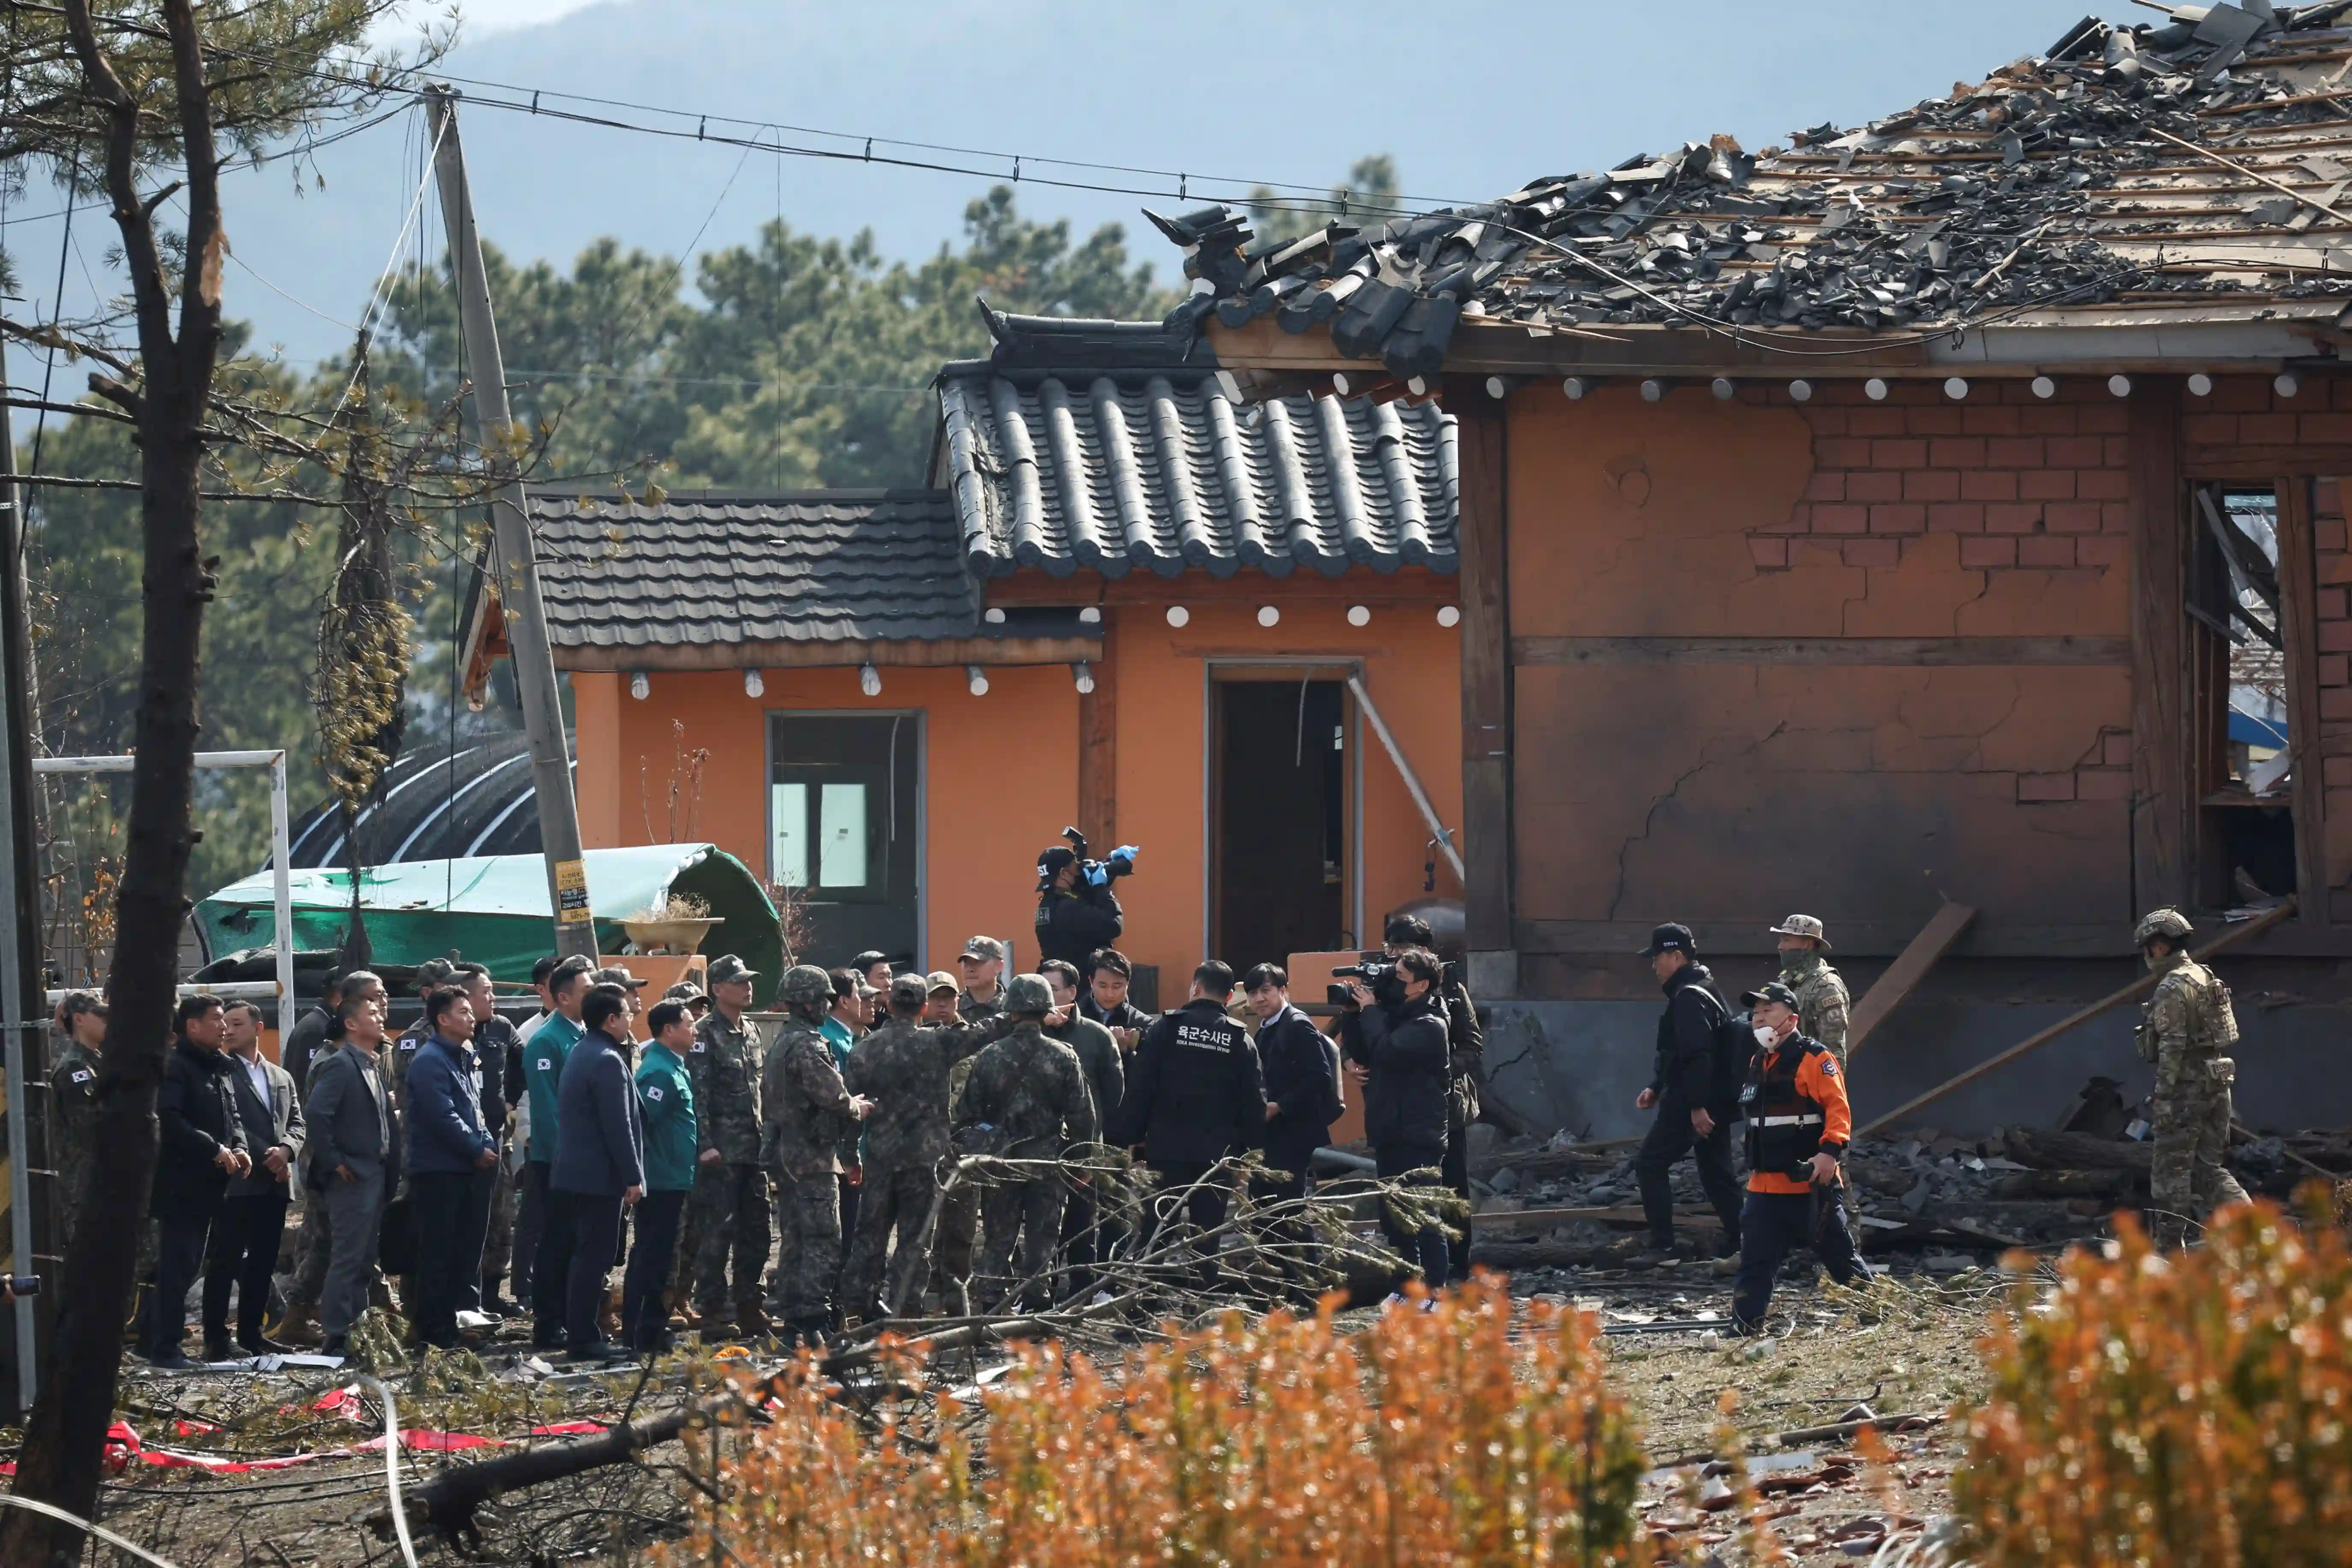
2239,738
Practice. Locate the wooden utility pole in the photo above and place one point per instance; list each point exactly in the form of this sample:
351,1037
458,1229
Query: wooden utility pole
516,563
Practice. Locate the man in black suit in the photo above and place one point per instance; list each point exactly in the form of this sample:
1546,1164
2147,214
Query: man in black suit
242,1251
202,1148
355,1161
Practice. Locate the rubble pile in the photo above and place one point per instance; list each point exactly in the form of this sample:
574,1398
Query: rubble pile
2039,186
1924,1199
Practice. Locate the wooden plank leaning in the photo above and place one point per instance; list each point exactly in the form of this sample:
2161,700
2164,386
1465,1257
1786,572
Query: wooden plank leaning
2145,984
1910,966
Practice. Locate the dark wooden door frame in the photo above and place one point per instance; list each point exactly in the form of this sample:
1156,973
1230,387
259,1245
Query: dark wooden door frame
1214,672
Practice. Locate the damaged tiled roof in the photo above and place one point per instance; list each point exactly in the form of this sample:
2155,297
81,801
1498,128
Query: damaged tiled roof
703,568
1161,465
2206,160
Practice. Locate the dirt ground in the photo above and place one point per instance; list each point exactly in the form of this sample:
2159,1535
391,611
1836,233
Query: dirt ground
1904,1348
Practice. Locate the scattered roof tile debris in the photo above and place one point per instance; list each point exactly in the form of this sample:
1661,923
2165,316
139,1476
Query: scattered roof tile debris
2207,156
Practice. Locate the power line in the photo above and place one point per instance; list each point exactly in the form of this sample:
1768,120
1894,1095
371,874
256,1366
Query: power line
853,147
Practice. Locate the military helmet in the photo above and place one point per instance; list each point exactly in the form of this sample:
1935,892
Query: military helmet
1028,993
2167,923
806,983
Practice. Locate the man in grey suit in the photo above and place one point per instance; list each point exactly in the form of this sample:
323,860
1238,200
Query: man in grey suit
355,1161
243,1250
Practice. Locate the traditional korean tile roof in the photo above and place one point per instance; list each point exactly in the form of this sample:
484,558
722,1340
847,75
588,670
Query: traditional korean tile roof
714,567
2198,169
1154,461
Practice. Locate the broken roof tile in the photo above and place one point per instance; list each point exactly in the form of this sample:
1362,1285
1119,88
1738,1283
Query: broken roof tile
2059,180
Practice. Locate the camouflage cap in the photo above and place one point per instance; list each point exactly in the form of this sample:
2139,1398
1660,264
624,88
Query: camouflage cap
727,968
74,1002
939,980
2169,923
1803,925
908,991
806,982
434,972
1028,993
613,975
983,947
685,990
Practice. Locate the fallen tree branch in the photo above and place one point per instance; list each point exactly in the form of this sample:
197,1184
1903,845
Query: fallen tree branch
450,1502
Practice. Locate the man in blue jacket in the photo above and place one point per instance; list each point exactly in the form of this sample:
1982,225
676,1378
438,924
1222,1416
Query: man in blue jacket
599,1173
451,1158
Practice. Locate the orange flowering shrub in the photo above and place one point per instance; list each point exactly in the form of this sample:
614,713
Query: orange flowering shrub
2191,1409
1478,1433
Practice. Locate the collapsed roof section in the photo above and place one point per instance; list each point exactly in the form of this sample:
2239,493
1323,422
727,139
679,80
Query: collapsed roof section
2200,164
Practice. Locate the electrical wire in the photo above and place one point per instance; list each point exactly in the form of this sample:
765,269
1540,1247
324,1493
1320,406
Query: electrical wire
856,146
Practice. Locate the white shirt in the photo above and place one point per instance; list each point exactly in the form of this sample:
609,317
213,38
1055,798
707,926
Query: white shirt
259,1075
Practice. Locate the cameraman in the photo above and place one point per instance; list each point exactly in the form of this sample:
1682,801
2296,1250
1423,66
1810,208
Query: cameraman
1077,911
1467,1044
1398,1051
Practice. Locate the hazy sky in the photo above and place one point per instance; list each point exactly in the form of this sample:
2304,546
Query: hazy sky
1472,99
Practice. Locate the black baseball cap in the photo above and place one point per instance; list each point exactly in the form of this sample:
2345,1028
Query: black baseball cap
1671,937
1771,991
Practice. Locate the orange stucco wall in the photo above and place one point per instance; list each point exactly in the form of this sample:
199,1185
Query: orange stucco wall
1412,668
1708,789
1000,774
1001,771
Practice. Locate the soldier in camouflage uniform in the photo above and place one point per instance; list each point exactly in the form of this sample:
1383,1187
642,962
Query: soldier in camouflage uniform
904,1068
804,1110
73,1099
1823,1000
2187,1029
1030,1094
982,963
730,1187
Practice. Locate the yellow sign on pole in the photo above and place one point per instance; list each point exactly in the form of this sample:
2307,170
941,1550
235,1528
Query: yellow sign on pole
571,892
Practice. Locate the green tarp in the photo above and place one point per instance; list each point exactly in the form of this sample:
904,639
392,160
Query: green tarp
494,909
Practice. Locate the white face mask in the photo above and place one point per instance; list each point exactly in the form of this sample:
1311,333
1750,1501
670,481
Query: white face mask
1766,1035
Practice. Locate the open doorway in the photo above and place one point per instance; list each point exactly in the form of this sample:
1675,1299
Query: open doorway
1281,820
2242,744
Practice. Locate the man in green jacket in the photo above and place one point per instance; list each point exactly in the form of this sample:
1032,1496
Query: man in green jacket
543,1055
666,1099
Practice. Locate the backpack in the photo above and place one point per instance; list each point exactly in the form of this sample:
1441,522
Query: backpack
1735,1046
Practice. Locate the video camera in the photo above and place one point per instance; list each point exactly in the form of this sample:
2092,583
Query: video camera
1092,873
1379,971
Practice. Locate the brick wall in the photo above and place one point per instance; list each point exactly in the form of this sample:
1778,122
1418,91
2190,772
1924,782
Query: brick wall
2247,411
2334,576
2027,483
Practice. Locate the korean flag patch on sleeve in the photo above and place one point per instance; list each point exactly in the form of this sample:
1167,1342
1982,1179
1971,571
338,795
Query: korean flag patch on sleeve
653,1091
83,1075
